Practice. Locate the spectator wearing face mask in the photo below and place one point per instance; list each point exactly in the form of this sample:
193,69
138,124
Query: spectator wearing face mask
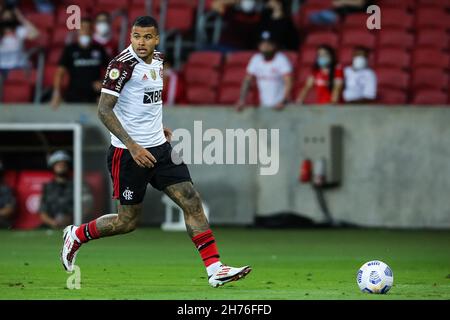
339,9
84,61
273,73
14,30
326,77
103,34
360,79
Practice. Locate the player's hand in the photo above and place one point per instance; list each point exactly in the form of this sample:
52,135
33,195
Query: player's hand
97,86
142,156
280,106
168,134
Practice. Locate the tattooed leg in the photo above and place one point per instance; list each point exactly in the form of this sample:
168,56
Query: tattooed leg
188,199
123,222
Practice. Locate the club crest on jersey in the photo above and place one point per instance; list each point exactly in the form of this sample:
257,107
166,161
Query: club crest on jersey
128,194
153,74
114,74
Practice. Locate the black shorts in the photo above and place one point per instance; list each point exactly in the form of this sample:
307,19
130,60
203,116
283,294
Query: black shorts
130,180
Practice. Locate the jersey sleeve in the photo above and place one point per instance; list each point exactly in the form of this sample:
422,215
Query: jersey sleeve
117,75
252,66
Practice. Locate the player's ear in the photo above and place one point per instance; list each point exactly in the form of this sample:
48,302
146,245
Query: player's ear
157,39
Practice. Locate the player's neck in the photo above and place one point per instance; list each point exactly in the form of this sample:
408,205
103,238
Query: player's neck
149,58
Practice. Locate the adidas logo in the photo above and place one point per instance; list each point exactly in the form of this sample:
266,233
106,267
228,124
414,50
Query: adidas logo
145,77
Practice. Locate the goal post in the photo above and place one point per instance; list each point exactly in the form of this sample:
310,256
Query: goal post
77,135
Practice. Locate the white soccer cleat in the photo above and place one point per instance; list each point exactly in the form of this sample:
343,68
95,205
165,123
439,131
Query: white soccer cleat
227,274
69,249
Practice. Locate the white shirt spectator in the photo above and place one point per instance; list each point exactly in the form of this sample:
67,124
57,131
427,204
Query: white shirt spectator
359,84
12,54
269,77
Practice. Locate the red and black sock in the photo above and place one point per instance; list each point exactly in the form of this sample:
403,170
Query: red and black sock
206,246
87,231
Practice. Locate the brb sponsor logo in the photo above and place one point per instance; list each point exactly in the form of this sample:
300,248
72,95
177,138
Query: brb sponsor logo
229,146
152,96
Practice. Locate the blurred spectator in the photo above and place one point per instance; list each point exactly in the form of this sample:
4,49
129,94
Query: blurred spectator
273,73
14,30
173,92
276,19
340,9
44,6
85,62
7,201
240,23
56,209
103,34
326,78
360,80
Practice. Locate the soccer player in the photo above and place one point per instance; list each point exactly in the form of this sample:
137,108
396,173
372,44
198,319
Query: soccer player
130,107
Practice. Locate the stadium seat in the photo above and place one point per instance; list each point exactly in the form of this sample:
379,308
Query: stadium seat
392,78
307,57
180,18
49,75
395,39
42,41
424,57
42,21
109,5
345,56
19,76
357,21
198,94
443,4
55,55
209,59
396,18
17,93
233,76
432,38
195,75
403,4
432,18
239,58
430,97
293,58
353,38
392,57
229,95
29,191
391,96
429,78
60,37
322,37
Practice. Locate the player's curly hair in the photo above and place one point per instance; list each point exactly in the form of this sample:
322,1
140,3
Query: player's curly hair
145,21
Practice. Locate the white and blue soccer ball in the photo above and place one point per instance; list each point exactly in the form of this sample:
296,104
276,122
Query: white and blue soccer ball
375,277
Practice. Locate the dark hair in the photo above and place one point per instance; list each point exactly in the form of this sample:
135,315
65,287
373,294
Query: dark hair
145,21
363,49
86,19
103,13
331,66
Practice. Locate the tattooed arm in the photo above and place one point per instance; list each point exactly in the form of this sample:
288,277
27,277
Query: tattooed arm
106,114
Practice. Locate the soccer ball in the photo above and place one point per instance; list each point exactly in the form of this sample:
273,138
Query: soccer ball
375,277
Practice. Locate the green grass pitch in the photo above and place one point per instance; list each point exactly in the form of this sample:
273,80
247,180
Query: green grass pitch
287,264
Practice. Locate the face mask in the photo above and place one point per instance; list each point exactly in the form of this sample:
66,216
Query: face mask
268,54
247,5
84,40
102,28
323,61
359,62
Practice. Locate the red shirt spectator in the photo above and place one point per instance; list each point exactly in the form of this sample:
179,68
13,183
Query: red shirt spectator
321,83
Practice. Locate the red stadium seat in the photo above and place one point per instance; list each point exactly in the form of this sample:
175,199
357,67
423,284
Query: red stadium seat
395,39
42,41
403,4
201,95
432,38
198,75
42,21
391,96
357,21
239,58
180,18
55,55
49,75
432,18
209,59
29,192
233,76
396,18
429,78
19,76
229,95
110,5
293,58
395,58
443,4
60,37
428,97
322,37
424,57
353,38
392,78
17,93
307,57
